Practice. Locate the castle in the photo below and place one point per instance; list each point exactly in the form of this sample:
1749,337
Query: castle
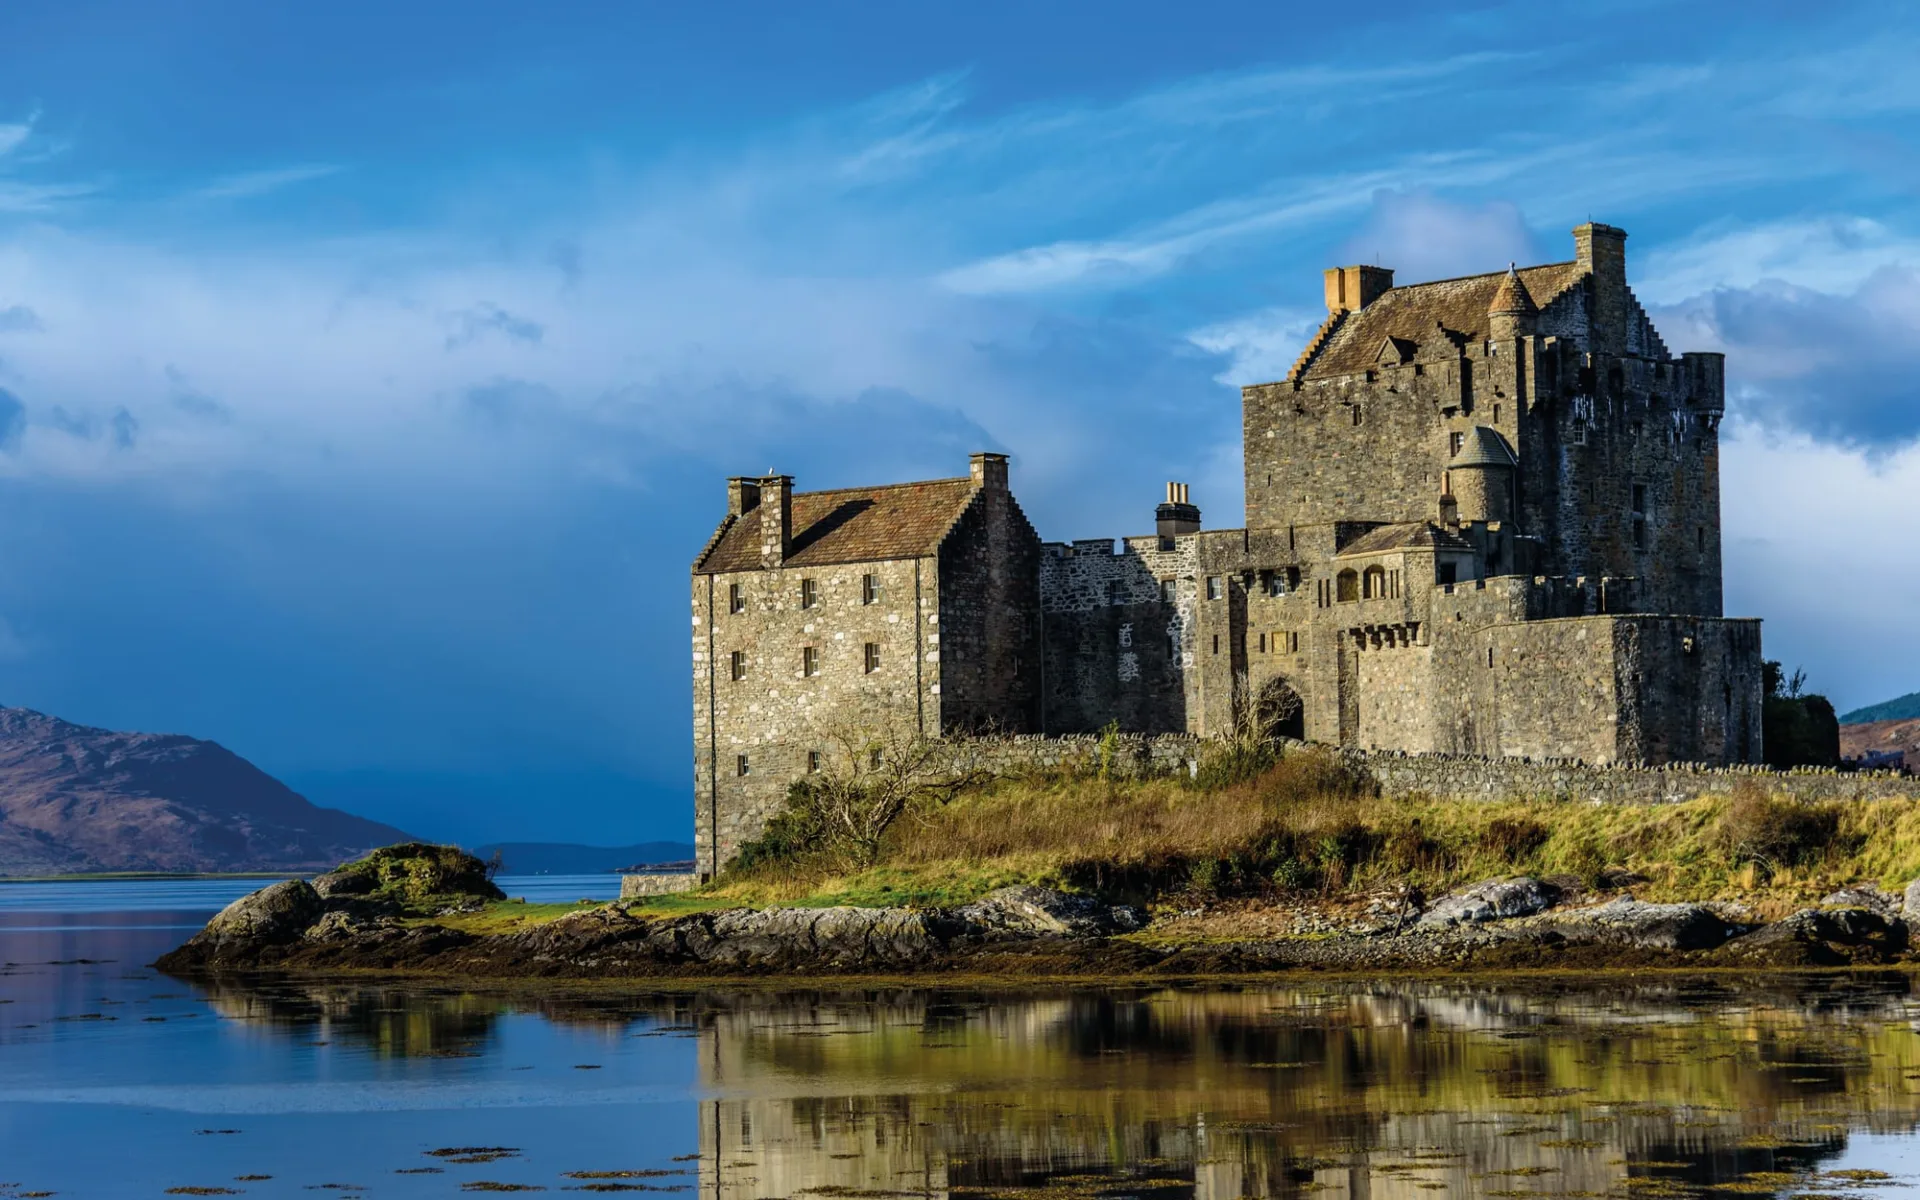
1482,517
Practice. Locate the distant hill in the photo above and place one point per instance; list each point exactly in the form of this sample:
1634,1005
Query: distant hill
1899,736
74,798
561,858
1906,708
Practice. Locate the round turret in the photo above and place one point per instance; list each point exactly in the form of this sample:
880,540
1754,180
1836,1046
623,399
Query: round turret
1480,477
1511,312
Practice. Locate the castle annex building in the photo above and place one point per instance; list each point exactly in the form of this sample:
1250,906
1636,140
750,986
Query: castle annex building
1482,516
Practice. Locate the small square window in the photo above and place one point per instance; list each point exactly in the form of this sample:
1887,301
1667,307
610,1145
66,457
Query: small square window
809,661
1214,587
1578,434
809,593
741,766
1166,591
872,657
869,589
873,758
1455,441
813,762
737,665
736,599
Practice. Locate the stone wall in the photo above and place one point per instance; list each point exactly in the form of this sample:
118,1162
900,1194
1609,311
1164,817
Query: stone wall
1461,776
752,735
987,650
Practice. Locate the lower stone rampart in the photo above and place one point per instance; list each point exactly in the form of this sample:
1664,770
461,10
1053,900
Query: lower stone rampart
1456,776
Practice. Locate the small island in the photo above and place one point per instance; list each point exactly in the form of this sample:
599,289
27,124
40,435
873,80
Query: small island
1262,859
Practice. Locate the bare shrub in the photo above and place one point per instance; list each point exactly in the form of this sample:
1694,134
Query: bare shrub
1773,833
871,774
1513,839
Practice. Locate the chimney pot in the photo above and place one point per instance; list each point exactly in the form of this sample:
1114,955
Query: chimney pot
1178,515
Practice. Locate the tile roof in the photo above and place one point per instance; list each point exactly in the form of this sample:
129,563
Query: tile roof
1418,535
900,520
1416,313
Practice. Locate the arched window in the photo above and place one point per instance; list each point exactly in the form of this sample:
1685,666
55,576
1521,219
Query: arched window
1375,584
1349,585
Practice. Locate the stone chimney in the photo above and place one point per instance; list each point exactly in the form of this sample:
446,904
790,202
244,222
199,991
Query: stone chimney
776,519
1601,250
989,471
1351,288
743,495
1177,515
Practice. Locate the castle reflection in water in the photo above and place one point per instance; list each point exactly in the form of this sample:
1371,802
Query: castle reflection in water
1377,1091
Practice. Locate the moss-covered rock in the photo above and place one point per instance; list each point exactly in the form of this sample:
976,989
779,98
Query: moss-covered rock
412,874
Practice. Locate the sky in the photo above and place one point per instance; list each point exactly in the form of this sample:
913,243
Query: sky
370,373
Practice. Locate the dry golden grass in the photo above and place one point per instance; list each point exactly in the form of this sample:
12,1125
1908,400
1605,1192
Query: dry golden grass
1305,827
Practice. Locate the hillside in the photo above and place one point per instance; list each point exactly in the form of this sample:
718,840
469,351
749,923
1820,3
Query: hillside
1906,708
74,798
1902,735
565,858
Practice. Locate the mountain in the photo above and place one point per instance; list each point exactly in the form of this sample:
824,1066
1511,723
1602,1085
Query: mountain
1906,708
74,798
1896,736
562,858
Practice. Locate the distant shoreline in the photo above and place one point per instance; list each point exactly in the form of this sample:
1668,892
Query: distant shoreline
144,876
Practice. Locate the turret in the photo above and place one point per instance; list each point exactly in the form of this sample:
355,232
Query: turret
1512,312
1480,477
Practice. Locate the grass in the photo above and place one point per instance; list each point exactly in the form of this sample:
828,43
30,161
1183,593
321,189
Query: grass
1304,827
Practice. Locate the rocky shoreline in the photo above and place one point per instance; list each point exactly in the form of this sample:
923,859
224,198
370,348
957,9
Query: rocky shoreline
337,923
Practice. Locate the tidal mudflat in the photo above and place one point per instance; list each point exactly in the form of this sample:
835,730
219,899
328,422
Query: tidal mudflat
117,1081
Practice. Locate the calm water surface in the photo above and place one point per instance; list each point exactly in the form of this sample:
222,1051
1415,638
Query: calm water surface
116,1081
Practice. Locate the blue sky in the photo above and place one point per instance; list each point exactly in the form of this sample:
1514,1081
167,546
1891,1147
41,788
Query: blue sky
369,373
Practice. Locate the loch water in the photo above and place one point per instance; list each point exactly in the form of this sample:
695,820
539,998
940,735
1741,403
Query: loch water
117,1081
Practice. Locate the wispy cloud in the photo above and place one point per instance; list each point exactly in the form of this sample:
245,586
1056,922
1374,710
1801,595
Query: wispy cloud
247,184
1829,253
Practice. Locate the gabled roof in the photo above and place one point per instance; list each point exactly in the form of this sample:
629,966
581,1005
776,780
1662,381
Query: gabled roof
1417,535
1484,447
1419,312
901,520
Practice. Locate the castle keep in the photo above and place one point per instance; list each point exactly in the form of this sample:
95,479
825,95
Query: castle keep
1482,517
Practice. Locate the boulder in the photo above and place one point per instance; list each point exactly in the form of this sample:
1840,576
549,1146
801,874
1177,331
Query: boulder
344,883
1864,895
1910,903
280,913
1822,937
1494,900
1638,925
1029,911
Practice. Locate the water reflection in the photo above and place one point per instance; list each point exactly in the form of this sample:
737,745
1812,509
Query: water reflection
1666,1087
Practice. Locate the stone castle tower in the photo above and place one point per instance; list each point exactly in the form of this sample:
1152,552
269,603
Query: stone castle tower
1482,517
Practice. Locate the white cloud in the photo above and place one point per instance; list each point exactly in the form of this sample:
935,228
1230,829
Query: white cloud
1422,236
248,184
1259,347
1817,543
1830,254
